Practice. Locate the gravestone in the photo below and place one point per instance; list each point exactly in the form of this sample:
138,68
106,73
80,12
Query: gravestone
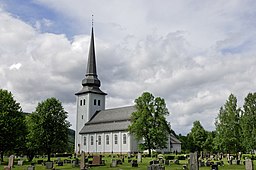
82,163
139,157
31,167
114,163
134,163
156,167
215,167
248,164
96,160
193,163
20,163
11,160
49,165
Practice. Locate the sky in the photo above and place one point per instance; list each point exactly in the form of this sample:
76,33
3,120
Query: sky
192,53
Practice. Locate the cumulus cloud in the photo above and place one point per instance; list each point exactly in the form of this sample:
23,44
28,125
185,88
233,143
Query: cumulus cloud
191,55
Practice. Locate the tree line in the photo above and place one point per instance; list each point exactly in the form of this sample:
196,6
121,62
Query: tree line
235,129
44,131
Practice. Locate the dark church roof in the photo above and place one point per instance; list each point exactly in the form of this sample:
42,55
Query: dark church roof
109,120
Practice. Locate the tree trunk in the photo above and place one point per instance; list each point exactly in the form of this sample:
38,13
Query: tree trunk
49,156
2,156
149,152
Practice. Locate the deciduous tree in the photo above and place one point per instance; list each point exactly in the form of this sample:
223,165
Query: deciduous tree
228,129
248,122
197,137
12,124
148,123
49,127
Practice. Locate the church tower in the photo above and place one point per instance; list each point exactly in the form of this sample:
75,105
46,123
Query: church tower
90,98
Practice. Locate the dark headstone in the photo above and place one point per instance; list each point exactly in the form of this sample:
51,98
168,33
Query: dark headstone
60,163
156,167
214,167
97,160
134,163
40,161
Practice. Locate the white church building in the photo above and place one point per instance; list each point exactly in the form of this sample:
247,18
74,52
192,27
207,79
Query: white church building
100,130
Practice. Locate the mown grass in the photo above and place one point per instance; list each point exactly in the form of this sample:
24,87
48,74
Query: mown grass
124,166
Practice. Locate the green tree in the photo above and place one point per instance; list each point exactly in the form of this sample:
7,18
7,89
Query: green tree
248,122
209,142
12,124
48,127
148,123
228,127
197,137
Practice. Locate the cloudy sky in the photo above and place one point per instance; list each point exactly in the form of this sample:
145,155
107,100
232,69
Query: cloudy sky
193,53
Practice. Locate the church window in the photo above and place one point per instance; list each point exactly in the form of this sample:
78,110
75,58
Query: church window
115,139
91,140
95,101
107,139
84,101
124,138
84,140
82,116
81,102
99,140
98,102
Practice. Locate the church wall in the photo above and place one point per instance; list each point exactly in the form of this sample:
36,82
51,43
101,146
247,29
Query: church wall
102,146
176,147
81,118
96,102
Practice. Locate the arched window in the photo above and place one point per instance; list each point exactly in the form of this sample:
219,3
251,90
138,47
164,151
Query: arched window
99,140
124,138
91,140
116,139
84,140
107,139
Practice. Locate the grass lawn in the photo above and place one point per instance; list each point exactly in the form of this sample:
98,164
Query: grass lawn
125,166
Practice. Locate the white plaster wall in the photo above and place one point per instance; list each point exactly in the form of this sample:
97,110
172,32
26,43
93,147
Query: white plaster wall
120,147
108,148
90,104
84,114
81,118
176,147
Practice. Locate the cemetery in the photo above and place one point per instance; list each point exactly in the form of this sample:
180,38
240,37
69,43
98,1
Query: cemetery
192,161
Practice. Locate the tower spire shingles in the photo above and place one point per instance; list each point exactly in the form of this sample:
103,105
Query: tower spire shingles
91,83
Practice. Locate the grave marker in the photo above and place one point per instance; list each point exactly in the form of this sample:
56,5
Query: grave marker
248,164
193,163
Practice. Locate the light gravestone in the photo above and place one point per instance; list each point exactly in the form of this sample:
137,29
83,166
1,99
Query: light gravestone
248,164
10,163
11,160
82,162
193,163
139,157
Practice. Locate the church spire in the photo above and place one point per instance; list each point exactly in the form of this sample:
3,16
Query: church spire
91,83
91,64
